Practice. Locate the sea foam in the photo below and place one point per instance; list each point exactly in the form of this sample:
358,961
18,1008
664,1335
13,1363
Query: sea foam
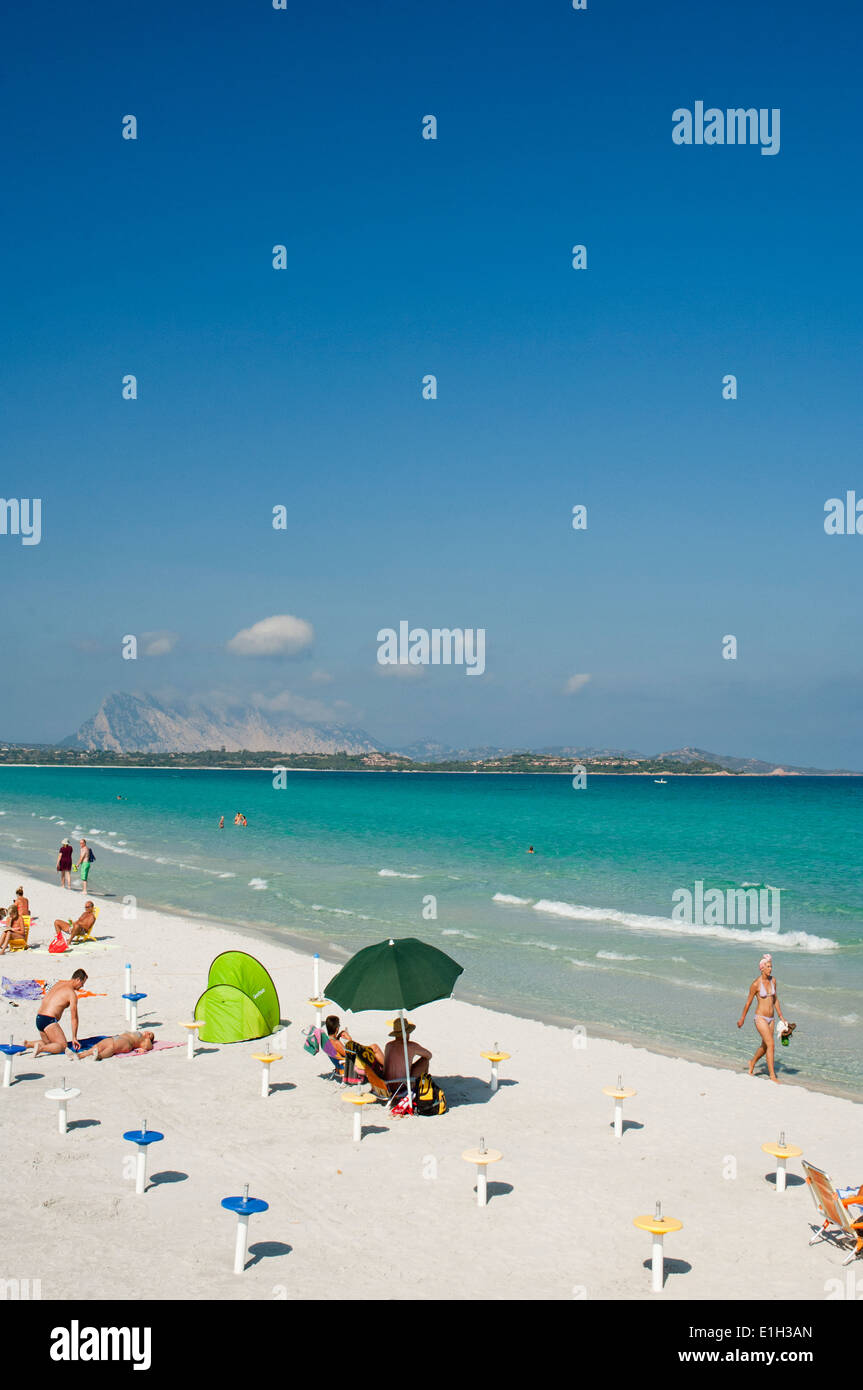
636,921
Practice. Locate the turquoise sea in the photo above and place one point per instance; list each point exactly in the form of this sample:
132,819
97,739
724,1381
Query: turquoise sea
581,932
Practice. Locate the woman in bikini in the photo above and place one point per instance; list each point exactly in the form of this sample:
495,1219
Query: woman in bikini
764,990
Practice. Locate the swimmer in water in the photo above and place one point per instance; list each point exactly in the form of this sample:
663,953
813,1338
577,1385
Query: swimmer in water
531,850
764,990
221,822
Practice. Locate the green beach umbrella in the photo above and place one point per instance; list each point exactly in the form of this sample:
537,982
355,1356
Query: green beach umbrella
395,975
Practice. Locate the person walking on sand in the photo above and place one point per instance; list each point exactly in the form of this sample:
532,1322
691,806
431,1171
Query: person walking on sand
59,998
764,990
64,864
85,859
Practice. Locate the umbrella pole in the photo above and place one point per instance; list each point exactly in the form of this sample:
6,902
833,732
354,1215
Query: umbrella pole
407,1064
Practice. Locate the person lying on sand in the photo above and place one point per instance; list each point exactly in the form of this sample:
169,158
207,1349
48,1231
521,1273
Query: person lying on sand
62,996
121,1042
79,928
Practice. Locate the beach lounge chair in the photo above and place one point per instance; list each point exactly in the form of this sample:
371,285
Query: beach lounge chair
834,1208
18,943
358,1055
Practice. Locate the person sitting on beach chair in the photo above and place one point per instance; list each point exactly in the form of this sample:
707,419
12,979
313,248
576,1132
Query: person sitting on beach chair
121,1042
394,1058
370,1061
81,928
11,929
841,1210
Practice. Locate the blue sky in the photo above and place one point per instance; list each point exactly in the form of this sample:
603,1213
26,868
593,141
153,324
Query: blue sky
303,387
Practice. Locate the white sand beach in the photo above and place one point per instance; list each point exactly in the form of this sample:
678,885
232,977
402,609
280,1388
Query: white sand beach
395,1215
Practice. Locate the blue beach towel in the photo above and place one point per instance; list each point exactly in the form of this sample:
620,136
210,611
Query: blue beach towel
22,989
88,1042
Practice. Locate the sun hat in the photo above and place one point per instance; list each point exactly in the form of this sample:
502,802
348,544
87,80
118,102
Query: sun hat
396,1030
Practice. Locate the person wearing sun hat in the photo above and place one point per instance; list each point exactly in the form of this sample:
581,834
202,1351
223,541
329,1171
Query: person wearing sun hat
401,1052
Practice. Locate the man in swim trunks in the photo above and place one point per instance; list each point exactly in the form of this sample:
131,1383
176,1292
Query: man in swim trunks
62,996
394,1057
85,859
79,928
764,989
121,1042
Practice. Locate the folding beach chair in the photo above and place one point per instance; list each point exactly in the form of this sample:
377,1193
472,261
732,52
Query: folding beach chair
358,1054
834,1208
20,943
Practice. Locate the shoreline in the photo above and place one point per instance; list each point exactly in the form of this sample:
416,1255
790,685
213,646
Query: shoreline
266,933
561,1204
412,771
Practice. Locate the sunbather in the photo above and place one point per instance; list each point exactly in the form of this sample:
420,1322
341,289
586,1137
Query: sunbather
79,928
394,1058
59,998
379,1061
11,929
121,1042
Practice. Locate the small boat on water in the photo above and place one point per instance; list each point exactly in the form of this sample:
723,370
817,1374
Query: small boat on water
660,781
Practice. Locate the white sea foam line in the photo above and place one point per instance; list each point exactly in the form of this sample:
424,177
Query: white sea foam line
615,955
159,859
796,940
454,931
258,885
511,898
394,873
342,911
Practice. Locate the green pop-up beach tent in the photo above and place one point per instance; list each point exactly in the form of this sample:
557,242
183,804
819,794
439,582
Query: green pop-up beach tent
240,1001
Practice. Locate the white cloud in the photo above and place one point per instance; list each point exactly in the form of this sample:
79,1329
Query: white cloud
576,683
158,643
281,635
320,677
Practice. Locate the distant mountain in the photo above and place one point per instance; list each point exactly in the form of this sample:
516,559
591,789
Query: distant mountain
140,724
751,765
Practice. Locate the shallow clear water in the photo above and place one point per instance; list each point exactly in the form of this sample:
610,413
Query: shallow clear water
339,860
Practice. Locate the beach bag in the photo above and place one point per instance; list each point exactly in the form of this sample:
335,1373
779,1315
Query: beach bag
430,1097
59,944
312,1045
90,855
